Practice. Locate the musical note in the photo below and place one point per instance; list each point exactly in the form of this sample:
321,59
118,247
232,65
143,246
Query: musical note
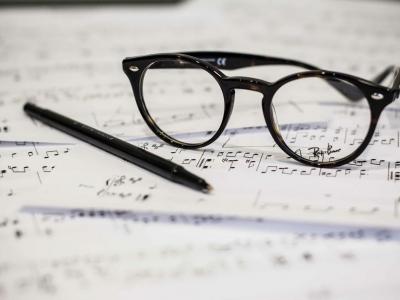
85,216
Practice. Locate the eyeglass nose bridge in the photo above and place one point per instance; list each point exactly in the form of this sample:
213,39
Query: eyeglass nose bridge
247,83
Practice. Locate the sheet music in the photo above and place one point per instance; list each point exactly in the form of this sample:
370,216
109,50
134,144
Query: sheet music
82,80
276,186
143,260
268,217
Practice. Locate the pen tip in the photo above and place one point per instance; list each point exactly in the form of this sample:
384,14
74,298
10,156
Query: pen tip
208,188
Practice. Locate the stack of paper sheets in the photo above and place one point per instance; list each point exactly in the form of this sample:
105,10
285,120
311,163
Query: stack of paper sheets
76,222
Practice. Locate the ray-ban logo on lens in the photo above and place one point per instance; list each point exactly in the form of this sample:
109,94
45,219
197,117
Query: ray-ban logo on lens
320,153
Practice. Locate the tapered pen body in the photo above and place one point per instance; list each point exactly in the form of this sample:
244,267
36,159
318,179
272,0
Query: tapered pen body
120,148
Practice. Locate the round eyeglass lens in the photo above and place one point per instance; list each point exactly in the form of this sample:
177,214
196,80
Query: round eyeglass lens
184,100
322,120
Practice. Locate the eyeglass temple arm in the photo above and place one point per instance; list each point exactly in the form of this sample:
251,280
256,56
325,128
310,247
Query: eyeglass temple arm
396,78
233,61
396,82
353,94
377,79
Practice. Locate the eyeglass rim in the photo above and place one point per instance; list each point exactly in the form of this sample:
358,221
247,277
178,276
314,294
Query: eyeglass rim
228,84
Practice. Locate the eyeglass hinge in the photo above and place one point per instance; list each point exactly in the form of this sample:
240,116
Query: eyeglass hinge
133,69
377,96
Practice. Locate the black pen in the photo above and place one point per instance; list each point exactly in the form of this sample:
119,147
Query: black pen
122,149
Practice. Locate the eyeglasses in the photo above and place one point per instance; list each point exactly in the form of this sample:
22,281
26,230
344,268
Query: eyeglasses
320,118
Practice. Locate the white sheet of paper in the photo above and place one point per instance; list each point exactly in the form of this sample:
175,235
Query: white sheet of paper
276,189
69,60
250,173
154,260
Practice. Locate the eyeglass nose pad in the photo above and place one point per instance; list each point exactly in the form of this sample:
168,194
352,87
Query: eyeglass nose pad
232,96
265,105
274,119
229,97
269,113
230,103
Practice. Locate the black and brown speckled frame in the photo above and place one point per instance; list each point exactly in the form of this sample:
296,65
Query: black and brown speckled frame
378,96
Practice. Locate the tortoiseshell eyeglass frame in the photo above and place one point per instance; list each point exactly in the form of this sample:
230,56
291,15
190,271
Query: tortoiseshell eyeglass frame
378,96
